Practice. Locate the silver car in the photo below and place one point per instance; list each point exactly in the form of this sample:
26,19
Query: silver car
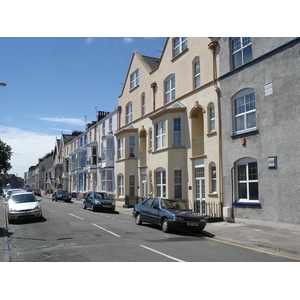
23,205
12,191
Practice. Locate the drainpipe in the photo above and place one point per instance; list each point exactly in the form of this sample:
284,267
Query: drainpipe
213,46
153,86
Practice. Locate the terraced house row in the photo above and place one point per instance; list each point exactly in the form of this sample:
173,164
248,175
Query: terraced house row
213,121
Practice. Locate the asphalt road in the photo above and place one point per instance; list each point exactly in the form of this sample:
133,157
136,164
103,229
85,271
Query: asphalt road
68,233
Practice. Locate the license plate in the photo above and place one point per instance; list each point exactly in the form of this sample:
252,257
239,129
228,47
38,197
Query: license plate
192,224
106,205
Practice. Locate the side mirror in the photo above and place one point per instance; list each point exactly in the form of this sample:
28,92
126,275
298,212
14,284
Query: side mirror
39,199
155,207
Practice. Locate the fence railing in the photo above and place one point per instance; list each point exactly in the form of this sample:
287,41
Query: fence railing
210,209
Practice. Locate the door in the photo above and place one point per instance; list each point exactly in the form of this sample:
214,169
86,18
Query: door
144,184
153,216
200,189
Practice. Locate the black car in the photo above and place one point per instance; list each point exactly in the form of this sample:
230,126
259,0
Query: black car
169,214
61,195
99,201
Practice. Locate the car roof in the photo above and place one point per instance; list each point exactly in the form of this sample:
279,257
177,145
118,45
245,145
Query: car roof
23,193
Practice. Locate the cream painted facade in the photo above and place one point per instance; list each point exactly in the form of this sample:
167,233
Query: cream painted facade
168,143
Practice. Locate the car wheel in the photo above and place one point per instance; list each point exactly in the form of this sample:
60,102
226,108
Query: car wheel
138,219
84,205
56,199
92,207
165,225
52,199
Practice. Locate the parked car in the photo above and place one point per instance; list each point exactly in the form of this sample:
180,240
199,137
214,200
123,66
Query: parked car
61,195
12,191
37,192
169,214
99,201
23,205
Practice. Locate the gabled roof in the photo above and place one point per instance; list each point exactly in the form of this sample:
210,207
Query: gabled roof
149,63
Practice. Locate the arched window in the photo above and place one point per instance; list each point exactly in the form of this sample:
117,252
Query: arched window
244,111
143,104
246,172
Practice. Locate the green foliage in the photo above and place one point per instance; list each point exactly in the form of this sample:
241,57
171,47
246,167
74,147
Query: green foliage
5,155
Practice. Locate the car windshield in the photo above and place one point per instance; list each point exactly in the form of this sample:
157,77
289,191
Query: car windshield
23,198
62,192
173,204
102,196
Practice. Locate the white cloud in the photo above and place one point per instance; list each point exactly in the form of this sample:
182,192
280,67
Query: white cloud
71,121
89,40
127,40
27,147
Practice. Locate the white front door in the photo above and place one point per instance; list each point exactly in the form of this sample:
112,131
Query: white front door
200,188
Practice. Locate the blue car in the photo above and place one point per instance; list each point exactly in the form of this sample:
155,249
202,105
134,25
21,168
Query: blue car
169,214
99,201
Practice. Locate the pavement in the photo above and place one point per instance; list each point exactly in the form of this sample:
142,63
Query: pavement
266,239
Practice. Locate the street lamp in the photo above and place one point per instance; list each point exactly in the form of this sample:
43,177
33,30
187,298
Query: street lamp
2,84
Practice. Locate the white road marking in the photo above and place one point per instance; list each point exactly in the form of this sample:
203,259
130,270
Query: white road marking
76,216
163,254
105,230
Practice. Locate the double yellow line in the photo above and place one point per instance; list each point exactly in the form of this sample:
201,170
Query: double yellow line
253,249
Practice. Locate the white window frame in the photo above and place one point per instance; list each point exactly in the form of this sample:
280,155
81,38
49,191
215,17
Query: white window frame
243,109
161,183
197,74
129,112
213,174
177,132
212,117
131,146
121,185
170,89
134,79
121,148
239,45
179,45
143,104
247,180
160,135
110,125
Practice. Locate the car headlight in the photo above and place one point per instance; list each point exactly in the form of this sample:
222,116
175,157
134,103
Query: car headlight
37,207
97,202
11,209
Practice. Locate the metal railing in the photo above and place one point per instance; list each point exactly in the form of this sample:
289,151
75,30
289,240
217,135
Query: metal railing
210,209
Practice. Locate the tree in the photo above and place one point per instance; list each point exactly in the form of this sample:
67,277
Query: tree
5,155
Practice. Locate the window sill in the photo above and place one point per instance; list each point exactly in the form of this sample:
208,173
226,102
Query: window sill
134,88
244,134
246,203
178,55
212,133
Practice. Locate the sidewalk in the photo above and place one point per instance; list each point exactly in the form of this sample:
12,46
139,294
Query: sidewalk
265,238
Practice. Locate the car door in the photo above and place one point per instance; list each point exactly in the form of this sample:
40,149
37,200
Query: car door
154,209
88,200
145,208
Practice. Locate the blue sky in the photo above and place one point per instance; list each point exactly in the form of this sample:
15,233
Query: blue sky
56,75
53,83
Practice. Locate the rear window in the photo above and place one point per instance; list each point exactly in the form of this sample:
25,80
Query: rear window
23,198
